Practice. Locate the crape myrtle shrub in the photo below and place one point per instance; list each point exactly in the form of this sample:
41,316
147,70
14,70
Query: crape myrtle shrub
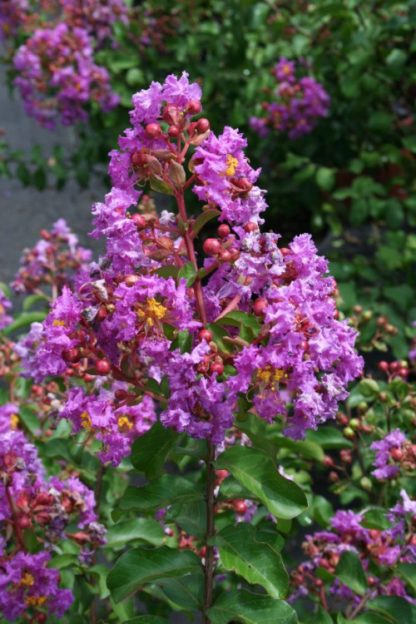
349,176
226,364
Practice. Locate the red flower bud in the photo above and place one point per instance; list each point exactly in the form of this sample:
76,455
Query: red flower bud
194,107
205,334
203,125
102,367
383,366
153,129
217,367
251,227
139,221
173,131
223,230
240,506
212,246
259,306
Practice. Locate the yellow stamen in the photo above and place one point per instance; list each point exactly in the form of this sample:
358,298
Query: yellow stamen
271,376
152,311
35,601
58,323
232,164
14,421
27,580
86,421
124,424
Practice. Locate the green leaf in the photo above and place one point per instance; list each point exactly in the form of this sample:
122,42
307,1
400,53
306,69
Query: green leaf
325,178
188,271
203,219
183,341
395,610
350,572
258,562
240,606
258,474
165,491
329,438
145,529
168,271
375,518
150,451
408,572
32,300
140,567
147,619
24,320
185,592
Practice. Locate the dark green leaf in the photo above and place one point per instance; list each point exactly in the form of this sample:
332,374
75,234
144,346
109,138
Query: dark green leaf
150,451
140,567
203,219
350,572
258,474
188,272
259,562
241,606
165,491
145,529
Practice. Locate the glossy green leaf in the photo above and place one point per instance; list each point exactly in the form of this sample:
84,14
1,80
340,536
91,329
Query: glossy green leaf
150,451
258,474
258,561
145,529
350,572
165,491
139,567
24,321
408,572
188,272
241,606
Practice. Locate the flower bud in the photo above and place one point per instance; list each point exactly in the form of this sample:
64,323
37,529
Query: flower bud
153,129
202,125
102,367
194,107
223,230
259,306
211,246
139,221
205,334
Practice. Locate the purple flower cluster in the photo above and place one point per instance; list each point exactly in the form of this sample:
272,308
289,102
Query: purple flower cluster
51,261
95,16
379,551
12,14
27,584
29,501
57,76
141,326
5,305
298,106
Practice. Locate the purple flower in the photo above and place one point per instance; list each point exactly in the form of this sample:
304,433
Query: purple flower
27,583
385,468
5,304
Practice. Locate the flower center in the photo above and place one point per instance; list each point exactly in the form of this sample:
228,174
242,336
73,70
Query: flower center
14,421
58,323
86,421
35,601
232,164
271,376
151,312
27,580
124,424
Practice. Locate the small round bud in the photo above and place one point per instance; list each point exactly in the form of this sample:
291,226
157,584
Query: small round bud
223,230
212,246
396,454
70,355
259,306
367,315
173,131
348,432
251,227
354,423
383,366
153,129
403,372
333,476
240,506
225,256
202,125
139,221
328,461
194,107
138,159
102,367
205,334
217,368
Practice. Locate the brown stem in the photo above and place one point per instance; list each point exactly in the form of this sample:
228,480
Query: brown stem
192,257
210,532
